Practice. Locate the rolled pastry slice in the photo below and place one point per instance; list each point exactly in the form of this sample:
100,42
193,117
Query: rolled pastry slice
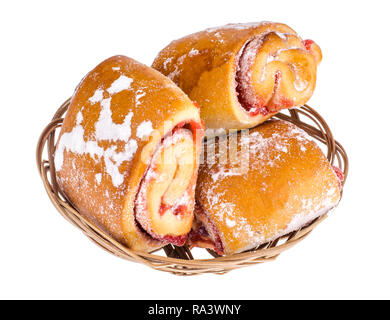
128,154
258,185
242,74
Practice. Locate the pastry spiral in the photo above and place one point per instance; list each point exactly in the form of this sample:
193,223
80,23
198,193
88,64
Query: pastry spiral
128,153
242,74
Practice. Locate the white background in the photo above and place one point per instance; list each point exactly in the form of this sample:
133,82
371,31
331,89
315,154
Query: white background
47,47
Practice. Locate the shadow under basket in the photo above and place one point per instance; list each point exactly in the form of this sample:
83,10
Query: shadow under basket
179,260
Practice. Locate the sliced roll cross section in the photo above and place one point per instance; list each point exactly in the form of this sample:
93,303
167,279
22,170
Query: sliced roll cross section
128,153
242,74
275,70
164,202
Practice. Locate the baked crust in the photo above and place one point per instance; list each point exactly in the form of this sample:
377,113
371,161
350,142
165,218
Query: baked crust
279,181
207,65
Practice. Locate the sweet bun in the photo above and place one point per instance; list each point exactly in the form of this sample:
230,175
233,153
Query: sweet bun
242,74
259,184
119,155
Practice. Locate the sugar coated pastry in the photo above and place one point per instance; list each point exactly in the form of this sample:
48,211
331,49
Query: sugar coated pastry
128,154
260,184
242,74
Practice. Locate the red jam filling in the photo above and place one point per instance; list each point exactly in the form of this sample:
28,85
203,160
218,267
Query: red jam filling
197,130
200,235
286,103
195,127
307,43
175,240
340,176
178,211
249,101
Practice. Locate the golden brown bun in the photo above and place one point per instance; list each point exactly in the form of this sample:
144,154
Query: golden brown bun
121,115
281,184
242,74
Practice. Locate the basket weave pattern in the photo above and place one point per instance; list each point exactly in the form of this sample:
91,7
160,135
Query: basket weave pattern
179,260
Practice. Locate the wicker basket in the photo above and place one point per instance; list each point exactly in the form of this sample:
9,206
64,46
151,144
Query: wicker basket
179,260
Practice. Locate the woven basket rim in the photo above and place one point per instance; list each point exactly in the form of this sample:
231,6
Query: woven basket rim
179,260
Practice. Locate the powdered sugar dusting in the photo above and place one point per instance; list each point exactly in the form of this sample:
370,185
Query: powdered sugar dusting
193,52
230,223
176,71
120,84
97,96
74,141
225,173
311,209
98,178
114,159
166,62
139,94
266,149
79,118
281,35
144,129
258,146
106,129
237,26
